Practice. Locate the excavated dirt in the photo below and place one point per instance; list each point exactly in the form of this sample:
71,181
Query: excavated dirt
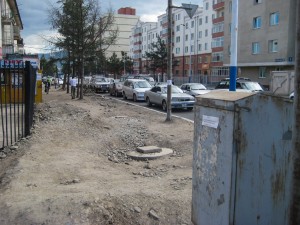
74,169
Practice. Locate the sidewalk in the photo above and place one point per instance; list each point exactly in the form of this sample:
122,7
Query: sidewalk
75,170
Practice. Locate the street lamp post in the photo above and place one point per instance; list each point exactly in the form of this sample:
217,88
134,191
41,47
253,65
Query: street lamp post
190,63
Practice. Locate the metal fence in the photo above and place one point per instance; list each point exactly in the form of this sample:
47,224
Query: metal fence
17,92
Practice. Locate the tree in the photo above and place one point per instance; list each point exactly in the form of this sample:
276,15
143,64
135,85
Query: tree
114,65
157,56
48,66
84,32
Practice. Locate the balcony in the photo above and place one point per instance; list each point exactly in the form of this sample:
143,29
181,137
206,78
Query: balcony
218,20
17,34
218,5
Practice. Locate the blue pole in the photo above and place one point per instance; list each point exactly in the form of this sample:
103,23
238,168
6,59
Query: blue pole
233,55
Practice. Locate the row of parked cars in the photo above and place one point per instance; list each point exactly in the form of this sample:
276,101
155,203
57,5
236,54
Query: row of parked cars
144,88
139,89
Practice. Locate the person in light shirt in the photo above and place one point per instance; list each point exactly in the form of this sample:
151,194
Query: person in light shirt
73,83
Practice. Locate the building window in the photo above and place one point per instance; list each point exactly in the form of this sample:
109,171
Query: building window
199,47
217,57
187,26
200,34
177,72
218,28
192,48
274,18
257,1
273,46
177,39
206,5
257,22
178,17
186,49
199,59
178,28
192,36
255,48
206,33
186,37
205,46
230,7
206,19
177,50
192,24
262,72
229,28
217,42
187,60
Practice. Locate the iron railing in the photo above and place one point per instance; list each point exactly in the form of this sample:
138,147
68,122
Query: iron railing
17,94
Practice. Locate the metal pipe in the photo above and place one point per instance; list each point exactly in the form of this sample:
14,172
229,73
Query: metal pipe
169,68
233,54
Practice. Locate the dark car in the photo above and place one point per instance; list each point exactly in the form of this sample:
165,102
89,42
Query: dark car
244,84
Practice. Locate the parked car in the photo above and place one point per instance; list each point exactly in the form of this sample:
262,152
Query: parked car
116,89
147,78
194,89
244,84
135,89
158,95
292,95
100,84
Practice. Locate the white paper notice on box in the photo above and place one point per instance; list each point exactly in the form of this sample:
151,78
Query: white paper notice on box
210,121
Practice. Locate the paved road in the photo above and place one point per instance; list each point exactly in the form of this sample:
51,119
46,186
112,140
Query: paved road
176,112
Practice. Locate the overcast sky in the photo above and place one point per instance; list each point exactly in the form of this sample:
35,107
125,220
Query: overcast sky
34,15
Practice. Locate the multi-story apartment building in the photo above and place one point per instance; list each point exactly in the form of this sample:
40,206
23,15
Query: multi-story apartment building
266,36
11,24
191,39
125,20
143,34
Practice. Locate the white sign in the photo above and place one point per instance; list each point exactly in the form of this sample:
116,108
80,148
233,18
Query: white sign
210,121
169,82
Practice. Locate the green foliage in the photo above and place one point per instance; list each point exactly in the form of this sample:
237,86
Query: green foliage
48,66
157,56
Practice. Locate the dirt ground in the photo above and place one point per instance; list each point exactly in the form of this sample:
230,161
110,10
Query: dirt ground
74,169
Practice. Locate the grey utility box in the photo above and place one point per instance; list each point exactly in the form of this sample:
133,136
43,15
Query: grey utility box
242,159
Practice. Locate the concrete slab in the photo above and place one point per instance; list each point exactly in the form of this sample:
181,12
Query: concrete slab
148,149
149,156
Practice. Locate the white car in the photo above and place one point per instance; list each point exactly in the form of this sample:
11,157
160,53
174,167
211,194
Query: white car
135,88
194,89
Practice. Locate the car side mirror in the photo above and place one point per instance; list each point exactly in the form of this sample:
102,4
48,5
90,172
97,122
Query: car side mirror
188,88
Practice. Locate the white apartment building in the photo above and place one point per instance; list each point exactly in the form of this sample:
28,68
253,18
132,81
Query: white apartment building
11,24
143,34
191,39
125,20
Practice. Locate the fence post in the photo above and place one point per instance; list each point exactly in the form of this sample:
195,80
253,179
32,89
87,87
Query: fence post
29,80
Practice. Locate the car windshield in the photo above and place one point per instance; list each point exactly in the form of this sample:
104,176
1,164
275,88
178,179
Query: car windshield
174,89
198,87
252,86
142,84
101,79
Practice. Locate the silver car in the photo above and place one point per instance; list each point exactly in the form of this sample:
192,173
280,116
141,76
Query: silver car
158,95
194,89
135,89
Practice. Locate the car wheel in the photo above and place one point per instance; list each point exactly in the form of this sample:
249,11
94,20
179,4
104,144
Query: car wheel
164,105
134,97
124,96
190,109
116,93
148,102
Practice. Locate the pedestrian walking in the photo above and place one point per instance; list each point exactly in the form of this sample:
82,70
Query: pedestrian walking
73,83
